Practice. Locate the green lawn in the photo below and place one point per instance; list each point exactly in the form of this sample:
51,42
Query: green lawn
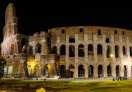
91,86
80,85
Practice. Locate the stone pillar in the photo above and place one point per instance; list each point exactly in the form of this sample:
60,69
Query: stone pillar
104,50
76,71
21,69
51,70
76,46
113,70
129,71
86,71
95,71
51,66
44,50
105,71
128,51
120,51
95,52
121,71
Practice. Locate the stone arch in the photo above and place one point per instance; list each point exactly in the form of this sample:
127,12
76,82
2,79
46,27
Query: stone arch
62,69
62,50
54,50
109,71
90,49
116,51
71,51
130,51
99,49
38,48
81,71
125,71
30,50
100,71
108,52
117,71
124,50
90,71
81,50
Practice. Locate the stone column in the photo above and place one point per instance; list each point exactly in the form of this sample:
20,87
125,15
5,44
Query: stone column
120,51
21,69
121,71
128,51
129,71
105,71
95,71
86,71
76,71
113,70
51,66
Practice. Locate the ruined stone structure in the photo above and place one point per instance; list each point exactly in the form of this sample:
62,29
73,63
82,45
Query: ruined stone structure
88,52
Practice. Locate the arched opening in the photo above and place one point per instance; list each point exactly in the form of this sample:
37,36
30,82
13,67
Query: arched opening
116,51
109,72
30,50
72,39
71,51
90,71
24,49
100,71
54,50
117,71
62,71
108,53
125,71
62,50
90,50
81,71
124,50
130,50
23,43
45,71
81,50
71,71
99,49
38,48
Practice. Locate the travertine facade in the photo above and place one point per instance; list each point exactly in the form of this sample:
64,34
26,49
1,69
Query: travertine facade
70,52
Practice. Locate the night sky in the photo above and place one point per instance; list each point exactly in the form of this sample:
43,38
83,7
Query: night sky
35,16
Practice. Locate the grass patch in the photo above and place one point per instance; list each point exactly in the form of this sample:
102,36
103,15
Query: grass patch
78,85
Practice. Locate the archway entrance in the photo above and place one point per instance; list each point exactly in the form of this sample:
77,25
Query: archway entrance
109,72
117,71
90,71
46,71
62,71
81,71
100,71
125,72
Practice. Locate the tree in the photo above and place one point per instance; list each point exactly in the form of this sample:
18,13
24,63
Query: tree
2,65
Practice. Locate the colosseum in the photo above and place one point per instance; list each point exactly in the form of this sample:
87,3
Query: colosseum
87,52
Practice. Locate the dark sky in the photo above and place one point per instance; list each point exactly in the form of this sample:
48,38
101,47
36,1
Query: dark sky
35,16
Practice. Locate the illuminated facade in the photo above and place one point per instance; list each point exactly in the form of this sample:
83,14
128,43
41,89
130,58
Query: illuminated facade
88,52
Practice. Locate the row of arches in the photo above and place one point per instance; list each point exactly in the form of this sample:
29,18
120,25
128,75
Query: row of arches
81,50
91,70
